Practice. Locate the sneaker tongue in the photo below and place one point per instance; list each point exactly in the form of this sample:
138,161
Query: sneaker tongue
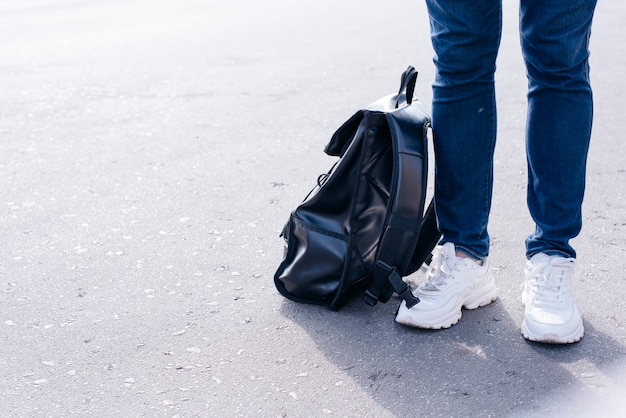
449,250
550,283
440,270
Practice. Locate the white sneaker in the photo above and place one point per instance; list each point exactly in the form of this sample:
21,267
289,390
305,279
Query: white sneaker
550,313
452,283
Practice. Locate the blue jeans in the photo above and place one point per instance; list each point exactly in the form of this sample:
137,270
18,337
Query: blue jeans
555,37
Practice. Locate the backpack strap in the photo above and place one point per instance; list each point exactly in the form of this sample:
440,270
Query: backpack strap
407,201
428,239
385,271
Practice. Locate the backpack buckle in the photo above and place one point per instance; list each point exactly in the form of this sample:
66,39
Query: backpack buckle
384,273
369,298
380,279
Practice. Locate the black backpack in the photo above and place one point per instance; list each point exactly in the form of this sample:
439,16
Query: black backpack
363,227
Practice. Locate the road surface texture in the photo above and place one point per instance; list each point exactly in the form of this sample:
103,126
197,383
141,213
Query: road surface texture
152,150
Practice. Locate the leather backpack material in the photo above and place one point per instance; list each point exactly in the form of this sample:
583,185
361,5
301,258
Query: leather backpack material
364,225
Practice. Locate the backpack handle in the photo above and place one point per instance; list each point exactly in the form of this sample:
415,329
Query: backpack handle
407,84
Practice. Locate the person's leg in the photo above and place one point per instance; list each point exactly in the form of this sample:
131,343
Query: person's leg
555,38
466,36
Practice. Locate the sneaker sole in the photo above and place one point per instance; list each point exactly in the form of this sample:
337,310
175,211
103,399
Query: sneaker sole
473,302
553,338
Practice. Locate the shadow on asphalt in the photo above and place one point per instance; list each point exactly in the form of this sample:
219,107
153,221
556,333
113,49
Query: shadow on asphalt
480,367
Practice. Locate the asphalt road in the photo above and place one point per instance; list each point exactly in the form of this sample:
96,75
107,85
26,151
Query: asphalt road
151,151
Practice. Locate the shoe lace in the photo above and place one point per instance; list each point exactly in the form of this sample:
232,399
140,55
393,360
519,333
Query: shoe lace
549,281
440,269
